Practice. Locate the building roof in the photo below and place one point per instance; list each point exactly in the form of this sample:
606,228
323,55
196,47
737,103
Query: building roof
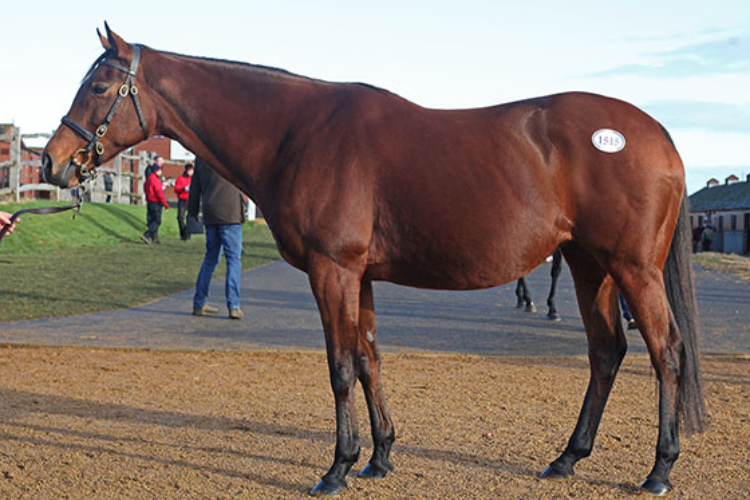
733,196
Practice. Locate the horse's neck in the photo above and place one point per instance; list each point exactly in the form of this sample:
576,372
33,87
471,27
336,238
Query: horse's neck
234,116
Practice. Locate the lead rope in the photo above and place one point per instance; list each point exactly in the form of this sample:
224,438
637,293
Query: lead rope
46,210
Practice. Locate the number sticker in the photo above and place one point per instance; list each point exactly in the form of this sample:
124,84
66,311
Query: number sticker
608,140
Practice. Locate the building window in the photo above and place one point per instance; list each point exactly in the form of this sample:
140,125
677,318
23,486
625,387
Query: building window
700,221
733,223
5,151
721,224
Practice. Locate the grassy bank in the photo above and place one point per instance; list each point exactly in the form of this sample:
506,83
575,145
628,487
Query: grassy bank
731,263
53,265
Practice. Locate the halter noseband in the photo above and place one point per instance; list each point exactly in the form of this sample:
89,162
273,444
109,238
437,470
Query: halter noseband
82,157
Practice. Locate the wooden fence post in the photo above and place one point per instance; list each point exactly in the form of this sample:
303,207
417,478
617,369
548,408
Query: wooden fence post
15,158
143,158
118,168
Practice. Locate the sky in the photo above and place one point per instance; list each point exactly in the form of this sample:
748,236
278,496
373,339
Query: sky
685,62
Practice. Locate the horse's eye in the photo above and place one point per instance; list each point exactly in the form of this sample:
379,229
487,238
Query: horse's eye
98,89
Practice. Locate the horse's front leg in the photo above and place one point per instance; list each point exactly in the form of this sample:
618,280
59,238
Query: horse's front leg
383,433
336,291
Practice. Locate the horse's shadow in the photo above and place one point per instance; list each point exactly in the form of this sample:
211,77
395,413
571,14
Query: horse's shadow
24,402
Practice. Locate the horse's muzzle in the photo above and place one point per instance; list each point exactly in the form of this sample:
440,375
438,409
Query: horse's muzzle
58,175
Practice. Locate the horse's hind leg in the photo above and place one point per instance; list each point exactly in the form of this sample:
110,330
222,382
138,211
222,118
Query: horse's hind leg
552,314
597,299
337,291
524,297
383,433
520,287
651,309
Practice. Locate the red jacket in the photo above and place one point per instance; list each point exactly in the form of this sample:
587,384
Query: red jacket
182,187
154,190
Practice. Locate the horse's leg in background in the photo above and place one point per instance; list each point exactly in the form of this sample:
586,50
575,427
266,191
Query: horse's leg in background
383,433
337,291
597,300
524,297
520,287
555,274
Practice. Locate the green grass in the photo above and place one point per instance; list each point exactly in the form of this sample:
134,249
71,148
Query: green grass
54,266
731,263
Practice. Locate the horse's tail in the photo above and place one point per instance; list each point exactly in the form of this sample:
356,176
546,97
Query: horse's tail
678,278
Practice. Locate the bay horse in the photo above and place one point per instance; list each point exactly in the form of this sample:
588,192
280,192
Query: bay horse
358,184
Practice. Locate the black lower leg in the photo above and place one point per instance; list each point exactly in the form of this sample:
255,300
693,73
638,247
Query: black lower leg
343,376
555,275
383,433
521,293
604,370
668,445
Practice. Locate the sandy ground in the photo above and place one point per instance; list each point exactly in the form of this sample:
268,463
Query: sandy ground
90,423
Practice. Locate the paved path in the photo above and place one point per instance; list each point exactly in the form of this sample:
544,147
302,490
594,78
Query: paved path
280,313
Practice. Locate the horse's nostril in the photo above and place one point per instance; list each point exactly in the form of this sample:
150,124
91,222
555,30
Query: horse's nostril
46,167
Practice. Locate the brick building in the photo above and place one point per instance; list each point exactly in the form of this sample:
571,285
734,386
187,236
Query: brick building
29,174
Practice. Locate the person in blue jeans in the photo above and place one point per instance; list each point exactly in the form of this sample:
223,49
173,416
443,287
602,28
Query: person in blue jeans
632,325
223,215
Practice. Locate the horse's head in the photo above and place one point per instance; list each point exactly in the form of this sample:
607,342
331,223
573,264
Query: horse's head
100,123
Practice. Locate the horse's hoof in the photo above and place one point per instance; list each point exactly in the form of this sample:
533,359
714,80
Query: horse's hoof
531,308
554,317
324,488
553,472
656,487
372,472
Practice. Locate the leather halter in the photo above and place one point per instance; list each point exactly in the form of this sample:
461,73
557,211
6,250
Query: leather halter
82,157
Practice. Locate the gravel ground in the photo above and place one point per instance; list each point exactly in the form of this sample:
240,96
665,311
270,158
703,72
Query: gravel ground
106,423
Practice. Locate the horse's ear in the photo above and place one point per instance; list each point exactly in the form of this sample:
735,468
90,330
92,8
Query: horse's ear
103,39
116,44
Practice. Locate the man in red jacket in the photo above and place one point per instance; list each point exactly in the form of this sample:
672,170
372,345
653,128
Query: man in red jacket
154,191
182,188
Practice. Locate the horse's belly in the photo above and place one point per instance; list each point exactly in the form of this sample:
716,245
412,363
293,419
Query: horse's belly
458,262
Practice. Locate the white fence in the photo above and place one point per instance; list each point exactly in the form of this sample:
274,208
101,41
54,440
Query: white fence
15,163
127,171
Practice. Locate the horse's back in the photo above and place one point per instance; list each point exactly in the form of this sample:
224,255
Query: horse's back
467,199
476,198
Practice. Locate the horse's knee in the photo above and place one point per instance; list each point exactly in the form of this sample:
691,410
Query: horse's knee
343,377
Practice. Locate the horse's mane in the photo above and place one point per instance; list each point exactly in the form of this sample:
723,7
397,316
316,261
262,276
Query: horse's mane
270,70
273,71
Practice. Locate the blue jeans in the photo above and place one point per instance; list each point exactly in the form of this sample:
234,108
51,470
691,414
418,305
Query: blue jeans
228,237
624,307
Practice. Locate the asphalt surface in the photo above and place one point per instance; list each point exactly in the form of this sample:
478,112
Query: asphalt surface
280,312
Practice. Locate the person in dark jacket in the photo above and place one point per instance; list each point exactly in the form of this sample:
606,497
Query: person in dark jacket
155,201
223,215
182,189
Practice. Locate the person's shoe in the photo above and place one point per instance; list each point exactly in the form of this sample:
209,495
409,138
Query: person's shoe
632,325
146,239
235,313
205,311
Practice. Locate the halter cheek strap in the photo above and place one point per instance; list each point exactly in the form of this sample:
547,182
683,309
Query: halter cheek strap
82,157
